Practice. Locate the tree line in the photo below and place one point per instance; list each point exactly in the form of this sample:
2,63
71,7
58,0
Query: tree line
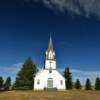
25,79
77,85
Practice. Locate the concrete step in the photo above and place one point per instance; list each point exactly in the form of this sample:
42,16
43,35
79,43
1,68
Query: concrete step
51,89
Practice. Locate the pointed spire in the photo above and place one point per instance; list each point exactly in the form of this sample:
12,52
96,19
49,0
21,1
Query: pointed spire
50,45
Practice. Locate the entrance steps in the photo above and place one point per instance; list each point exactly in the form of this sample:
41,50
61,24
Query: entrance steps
50,89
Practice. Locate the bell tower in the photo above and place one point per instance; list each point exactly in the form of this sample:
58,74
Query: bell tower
50,61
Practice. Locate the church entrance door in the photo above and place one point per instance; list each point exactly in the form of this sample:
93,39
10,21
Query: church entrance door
50,83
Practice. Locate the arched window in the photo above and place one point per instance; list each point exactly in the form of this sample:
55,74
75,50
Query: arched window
50,70
50,55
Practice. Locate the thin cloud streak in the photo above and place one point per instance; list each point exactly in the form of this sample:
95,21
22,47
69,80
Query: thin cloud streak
79,7
11,71
83,75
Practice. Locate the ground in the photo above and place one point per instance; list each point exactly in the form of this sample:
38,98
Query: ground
66,95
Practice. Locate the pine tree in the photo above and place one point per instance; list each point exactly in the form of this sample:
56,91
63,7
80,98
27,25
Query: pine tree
7,84
78,84
68,77
97,84
1,82
88,85
24,79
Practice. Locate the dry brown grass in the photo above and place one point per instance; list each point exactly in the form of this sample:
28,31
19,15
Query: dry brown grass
66,95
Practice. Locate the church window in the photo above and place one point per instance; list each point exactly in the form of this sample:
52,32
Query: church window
38,81
50,70
61,82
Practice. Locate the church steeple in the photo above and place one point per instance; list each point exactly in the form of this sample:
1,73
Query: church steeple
50,61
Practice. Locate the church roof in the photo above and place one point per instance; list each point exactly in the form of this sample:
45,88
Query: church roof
50,45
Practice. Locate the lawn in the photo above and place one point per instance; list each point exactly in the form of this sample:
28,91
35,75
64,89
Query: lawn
66,95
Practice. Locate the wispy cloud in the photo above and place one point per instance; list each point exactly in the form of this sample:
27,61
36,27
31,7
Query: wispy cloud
11,71
87,73
83,75
79,7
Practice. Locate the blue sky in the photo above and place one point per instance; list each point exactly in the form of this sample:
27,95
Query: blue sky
25,27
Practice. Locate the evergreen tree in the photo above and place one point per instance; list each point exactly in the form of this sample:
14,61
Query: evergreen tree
97,84
1,82
88,85
78,84
68,77
24,77
7,84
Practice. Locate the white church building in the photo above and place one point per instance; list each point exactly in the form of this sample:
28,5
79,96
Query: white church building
49,78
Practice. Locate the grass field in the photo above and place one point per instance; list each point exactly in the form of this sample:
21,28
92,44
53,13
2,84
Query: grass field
67,95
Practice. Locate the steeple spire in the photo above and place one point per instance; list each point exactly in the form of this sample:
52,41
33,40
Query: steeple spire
50,45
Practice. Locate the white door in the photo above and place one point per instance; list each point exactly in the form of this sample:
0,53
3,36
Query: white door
50,83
